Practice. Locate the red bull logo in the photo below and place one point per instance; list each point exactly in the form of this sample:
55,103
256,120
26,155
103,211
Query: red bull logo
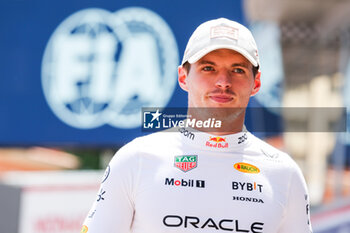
217,142
217,139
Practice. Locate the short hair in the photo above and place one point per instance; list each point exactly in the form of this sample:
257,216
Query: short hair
187,67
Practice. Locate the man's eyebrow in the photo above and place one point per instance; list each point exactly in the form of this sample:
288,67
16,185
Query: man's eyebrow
205,62
240,64
245,65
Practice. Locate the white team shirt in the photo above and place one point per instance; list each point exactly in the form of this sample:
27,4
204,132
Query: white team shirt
190,181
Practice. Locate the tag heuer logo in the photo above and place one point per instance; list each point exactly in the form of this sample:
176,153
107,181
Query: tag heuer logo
186,162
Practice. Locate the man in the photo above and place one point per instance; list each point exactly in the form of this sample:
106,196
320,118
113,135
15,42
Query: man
195,181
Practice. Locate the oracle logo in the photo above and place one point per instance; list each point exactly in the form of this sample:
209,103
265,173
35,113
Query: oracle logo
192,222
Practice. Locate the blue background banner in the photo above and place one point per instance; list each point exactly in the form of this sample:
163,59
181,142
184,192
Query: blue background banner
36,71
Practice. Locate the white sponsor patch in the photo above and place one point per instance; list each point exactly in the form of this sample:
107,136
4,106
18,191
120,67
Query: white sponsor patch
224,31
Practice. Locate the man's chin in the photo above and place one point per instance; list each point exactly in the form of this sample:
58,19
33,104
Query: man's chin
217,110
230,104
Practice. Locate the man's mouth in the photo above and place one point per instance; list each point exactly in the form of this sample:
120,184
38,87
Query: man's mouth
221,98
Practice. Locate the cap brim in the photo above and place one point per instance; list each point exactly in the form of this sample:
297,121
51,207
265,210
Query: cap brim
194,58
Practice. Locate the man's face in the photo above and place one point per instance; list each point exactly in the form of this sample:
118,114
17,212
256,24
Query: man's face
222,79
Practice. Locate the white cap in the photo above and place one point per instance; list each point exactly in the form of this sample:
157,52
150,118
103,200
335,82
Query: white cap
221,34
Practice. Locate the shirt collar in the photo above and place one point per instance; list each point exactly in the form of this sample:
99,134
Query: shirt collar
210,142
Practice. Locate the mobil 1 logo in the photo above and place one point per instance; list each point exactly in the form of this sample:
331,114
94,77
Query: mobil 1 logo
185,182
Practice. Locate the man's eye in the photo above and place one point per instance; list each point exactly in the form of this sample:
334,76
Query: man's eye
208,68
238,70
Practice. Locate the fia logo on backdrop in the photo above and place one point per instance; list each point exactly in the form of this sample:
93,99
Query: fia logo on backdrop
101,67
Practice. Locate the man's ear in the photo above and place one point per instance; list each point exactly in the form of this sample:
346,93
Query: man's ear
257,84
182,78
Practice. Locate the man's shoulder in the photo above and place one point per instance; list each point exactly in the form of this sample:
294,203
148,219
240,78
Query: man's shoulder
155,138
151,141
273,153
151,145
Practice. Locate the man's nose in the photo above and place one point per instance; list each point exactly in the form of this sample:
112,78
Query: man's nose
223,80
